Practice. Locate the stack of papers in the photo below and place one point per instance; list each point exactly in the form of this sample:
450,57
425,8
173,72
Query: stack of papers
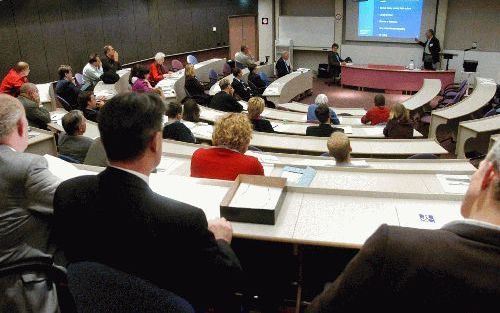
203,131
168,165
455,184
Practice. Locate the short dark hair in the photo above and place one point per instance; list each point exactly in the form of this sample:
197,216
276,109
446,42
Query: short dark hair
106,49
63,70
379,100
71,121
174,109
83,99
236,71
141,71
322,112
127,124
191,111
252,67
335,45
93,58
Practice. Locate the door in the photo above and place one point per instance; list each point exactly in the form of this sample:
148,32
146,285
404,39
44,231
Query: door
243,31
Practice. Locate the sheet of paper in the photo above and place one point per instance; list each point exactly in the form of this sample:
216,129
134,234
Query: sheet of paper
291,177
421,214
455,184
374,131
64,170
256,197
244,104
203,131
347,129
281,127
168,165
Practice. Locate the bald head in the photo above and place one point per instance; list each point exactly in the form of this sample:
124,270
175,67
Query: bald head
13,123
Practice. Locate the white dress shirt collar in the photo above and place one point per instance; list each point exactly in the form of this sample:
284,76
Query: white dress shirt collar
140,175
475,223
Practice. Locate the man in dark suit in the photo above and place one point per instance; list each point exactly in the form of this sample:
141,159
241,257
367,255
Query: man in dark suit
224,100
240,87
324,129
110,65
453,269
432,47
282,66
115,218
335,61
66,87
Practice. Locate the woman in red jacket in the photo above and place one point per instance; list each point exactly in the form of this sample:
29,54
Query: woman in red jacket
17,76
156,69
226,160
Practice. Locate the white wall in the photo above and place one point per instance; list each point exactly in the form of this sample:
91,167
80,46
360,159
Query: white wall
489,64
266,35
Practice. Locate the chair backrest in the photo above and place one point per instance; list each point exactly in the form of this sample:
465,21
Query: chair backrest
264,77
64,103
423,156
101,289
191,59
226,69
212,75
177,65
239,65
68,159
79,79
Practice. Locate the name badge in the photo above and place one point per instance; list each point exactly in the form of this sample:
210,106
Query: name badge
431,45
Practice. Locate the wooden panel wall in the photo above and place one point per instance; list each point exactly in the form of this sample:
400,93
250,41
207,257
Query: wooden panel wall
48,33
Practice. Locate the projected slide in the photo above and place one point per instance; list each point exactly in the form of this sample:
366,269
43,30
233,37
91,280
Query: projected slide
390,18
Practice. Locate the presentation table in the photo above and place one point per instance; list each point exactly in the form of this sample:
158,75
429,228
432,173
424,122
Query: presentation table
391,77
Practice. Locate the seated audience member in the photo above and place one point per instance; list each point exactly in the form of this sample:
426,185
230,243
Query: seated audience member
282,66
224,100
175,129
129,222
324,129
92,72
16,77
339,147
26,194
399,125
191,111
244,57
255,108
240,87
226,160
66,86
36,114
88,104
72,143
110,65
195,89
379,114
157,70
335,61
443,269
141,84
256,80
311,110
96,156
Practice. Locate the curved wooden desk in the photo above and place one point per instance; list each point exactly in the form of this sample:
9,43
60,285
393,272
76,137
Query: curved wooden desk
286,88
471,129
430,89
483,92
41,142
391,77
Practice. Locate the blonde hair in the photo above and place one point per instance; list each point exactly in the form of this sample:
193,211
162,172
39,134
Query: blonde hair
339,147
189,70
233,131
255,107
399,112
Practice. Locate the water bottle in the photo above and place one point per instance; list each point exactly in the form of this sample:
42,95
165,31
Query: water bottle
411,66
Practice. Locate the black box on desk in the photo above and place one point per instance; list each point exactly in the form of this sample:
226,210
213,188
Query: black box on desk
254,199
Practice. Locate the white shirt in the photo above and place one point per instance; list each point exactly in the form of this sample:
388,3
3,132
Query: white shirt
91,75
140,175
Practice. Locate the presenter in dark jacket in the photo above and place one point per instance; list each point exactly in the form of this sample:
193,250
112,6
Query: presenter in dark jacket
175,129
116,219
452,269
335,61
432,47
240,87
224,100
255,108
282,66
324,129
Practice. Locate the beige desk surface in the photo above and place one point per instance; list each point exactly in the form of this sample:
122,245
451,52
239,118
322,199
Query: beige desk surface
41,142
430,89
483,92
302,108
284,89
482,125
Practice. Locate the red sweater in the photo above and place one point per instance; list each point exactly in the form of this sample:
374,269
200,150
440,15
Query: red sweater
221,163
155,73
12,82
376,115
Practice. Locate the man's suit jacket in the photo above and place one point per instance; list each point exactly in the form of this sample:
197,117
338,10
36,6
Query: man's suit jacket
241,89
37,117
222,101
434,48
114,218
322,130
26,193
456,268
259,84
282,68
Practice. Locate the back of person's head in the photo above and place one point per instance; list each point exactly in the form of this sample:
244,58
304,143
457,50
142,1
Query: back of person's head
339,147
400,113
321,99
191,111
160,56
224,84
72,122
255,107
322,113
379,100
174,109
93,58
141,71
127,124
63,70
12,117
83,99
335,45
243,48
236,71
28,89
21,66
189,70
233,131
